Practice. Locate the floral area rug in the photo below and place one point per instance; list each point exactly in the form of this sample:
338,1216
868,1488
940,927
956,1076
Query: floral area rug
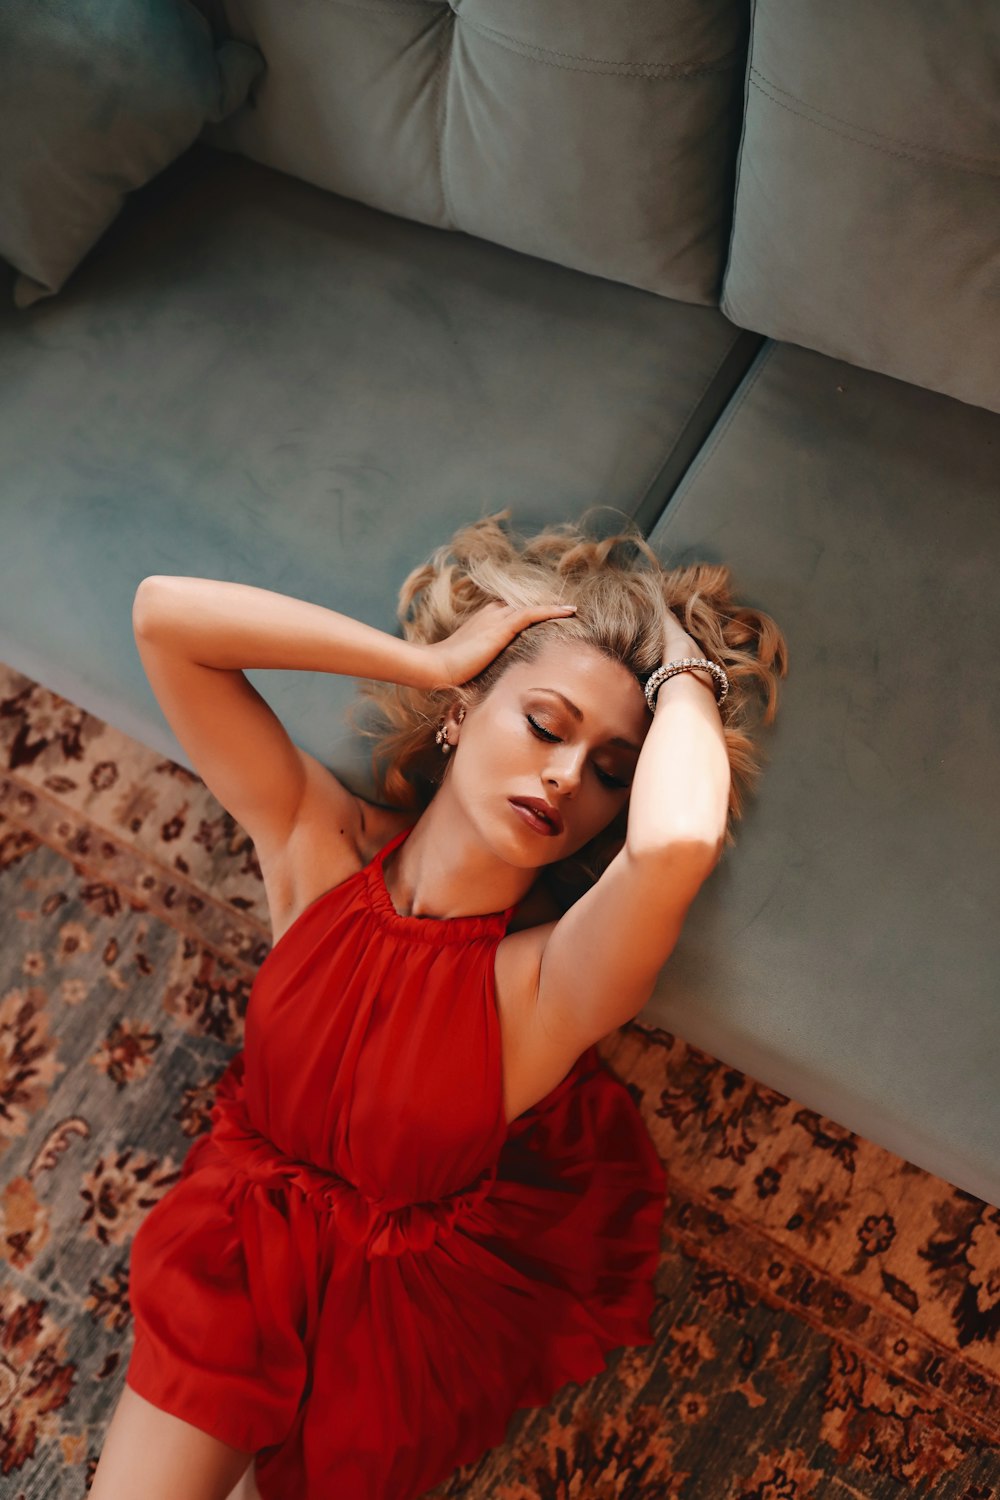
827,1313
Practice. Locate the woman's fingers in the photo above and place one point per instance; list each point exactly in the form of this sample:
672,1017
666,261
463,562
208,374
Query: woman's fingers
530,611
544,611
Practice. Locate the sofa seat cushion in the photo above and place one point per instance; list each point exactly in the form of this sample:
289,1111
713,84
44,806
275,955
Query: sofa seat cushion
847,949
252,379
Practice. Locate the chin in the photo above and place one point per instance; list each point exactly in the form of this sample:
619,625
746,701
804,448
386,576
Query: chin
514,849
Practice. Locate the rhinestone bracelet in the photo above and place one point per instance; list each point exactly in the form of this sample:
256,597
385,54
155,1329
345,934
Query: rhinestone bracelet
688,664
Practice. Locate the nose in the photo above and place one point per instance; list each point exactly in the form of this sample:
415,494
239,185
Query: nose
565,769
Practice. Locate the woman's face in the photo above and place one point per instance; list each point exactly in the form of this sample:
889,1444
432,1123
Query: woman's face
525,740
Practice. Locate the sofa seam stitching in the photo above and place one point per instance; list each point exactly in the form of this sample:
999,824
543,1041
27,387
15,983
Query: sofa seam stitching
738,175
545,54
444,53
926,154
548,56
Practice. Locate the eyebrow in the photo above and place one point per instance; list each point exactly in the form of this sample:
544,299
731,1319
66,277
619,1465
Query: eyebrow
615,739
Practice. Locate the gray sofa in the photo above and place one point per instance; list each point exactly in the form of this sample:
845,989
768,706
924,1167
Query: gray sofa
732,270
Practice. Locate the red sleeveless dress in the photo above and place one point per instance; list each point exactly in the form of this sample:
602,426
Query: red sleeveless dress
363,1271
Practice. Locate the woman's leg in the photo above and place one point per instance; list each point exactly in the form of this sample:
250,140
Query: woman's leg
246,1489
150,1453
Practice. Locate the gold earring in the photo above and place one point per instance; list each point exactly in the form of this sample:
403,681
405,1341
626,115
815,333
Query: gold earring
441,736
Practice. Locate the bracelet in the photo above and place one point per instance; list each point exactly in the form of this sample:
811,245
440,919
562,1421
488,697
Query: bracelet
688,664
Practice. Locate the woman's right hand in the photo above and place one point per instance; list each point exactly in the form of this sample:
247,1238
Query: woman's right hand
480,639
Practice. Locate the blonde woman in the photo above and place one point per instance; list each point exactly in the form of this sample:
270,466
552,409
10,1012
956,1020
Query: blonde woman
425,1200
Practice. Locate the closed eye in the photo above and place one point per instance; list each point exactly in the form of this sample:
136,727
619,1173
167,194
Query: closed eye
609,781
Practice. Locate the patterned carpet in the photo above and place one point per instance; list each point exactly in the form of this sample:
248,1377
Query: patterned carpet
827,1313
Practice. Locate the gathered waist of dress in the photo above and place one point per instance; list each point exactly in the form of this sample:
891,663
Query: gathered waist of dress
375,1223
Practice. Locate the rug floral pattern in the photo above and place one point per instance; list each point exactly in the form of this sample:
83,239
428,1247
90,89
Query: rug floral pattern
827,1315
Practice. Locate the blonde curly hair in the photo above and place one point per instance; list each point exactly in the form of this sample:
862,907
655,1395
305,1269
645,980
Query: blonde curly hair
622,592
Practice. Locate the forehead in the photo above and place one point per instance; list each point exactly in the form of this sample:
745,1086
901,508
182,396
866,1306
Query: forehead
599,686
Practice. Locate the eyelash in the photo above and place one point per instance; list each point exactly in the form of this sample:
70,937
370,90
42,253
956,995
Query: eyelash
612,784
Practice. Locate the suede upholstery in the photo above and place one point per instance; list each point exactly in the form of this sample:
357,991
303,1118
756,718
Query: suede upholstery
846,951
256,380
96,98
867,216
511,120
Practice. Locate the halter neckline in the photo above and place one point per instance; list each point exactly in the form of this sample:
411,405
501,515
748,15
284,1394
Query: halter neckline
447,929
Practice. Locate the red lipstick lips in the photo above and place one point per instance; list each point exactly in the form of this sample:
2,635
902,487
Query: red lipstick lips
540,816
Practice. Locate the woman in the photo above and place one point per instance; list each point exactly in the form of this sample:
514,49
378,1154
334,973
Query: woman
425,1200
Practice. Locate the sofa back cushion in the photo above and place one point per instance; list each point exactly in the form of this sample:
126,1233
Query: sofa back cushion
867,217
601,137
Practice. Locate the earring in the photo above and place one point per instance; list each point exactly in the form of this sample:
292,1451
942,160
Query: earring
441,735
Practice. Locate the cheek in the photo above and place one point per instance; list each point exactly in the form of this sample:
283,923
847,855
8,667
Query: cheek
509,739
495,752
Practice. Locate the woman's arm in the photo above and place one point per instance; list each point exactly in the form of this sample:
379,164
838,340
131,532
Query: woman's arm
238,626
597,966
194,635
680,787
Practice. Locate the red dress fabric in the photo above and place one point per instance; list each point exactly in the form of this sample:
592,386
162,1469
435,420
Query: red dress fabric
362,1271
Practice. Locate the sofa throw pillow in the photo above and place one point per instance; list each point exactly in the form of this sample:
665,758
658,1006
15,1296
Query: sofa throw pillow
96,98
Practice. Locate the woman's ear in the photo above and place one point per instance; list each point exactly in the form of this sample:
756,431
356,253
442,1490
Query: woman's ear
455,717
